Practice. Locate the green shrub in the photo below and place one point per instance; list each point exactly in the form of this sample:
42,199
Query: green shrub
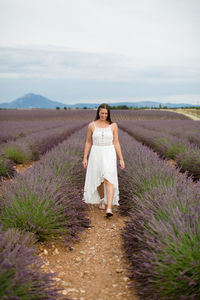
158,181
180,271
173,150
33,211
28,239
21,276
6,167
19,154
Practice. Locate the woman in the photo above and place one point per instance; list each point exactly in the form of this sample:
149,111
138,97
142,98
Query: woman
101,183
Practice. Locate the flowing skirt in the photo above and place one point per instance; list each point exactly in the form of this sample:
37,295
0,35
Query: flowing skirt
102,164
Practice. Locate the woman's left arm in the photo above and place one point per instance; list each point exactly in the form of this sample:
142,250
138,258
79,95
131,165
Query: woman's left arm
117,145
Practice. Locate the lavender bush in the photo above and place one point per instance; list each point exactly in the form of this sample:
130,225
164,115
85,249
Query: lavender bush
190,161
20,270
6,168
48,200
18,152
161,238
162,243
144,171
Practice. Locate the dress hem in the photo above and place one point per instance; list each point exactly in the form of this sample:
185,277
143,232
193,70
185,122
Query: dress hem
95,195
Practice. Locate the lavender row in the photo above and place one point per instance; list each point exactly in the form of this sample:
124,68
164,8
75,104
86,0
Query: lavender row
46,115
162,236
46,202
127,115
32,147
186,129
20,269
13,130
181,150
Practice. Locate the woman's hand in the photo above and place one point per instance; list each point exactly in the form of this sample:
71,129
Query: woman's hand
122,164
85,163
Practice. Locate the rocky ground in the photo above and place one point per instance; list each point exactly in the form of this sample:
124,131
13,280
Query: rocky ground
94,268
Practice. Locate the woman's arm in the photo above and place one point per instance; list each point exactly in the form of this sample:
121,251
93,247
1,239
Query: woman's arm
88,145
117,145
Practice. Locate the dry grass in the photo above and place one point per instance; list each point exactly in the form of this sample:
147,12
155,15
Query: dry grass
190,111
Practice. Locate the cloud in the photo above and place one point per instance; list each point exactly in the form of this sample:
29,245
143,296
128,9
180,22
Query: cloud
62,63
102,48
149,30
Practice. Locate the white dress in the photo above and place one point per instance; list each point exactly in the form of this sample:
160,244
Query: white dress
102,163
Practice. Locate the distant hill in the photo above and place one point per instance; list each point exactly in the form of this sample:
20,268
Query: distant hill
32,101
37,101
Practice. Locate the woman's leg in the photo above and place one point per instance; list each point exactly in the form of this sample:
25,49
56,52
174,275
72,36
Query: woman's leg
100,190
109,193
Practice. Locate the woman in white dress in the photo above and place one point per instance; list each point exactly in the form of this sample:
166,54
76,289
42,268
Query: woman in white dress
101,183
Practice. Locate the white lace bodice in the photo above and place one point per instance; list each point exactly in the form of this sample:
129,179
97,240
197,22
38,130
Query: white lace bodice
102,136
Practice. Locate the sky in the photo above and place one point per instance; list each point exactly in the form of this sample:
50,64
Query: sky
75,51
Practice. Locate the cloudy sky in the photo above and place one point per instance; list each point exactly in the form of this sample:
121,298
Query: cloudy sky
100,50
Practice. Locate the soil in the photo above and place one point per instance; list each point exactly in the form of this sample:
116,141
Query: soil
21,168
95,267
172,163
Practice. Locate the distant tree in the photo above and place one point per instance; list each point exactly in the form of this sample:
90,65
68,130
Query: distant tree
84,107
57,107
160,106
65,107
120,107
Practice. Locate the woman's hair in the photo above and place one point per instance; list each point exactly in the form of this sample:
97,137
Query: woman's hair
105,106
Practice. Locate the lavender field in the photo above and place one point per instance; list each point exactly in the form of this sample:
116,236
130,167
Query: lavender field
162,235
171,144
186,129
85,115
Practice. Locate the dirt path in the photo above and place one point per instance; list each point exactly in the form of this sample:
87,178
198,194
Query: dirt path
95,269
192,117
182,112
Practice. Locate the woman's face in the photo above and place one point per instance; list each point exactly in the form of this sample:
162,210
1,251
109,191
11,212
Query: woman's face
103,114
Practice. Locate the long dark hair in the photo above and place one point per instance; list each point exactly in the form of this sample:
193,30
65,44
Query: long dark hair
105,106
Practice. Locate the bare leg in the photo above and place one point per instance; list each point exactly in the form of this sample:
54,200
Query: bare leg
109,193
100,190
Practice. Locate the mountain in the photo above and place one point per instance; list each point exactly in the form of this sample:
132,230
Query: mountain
38,101
32,101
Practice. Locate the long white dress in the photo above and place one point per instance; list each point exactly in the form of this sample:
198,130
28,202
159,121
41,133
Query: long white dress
102,164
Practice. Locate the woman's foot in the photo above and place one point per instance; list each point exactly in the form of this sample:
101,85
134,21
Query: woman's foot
102,204
109,212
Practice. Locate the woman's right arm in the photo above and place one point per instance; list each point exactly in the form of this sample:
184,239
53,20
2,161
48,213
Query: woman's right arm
88,145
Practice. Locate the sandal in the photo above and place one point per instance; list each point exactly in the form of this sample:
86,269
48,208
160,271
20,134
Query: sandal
109,212
102,204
